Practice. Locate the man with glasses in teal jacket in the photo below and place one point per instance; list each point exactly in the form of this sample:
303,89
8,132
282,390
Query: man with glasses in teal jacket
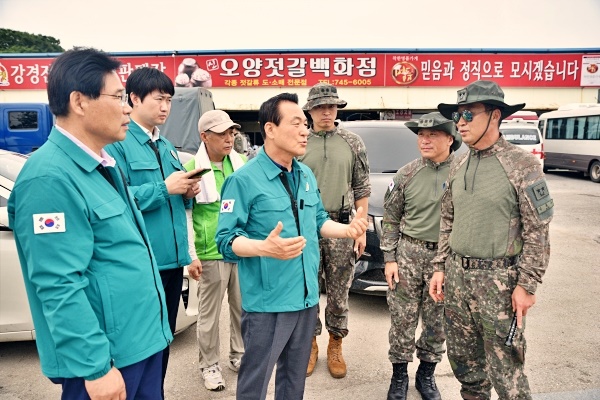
91,277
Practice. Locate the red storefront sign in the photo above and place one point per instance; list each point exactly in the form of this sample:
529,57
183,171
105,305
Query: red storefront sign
343,69
516,70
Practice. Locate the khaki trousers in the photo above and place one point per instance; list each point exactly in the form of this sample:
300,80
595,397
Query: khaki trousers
217,278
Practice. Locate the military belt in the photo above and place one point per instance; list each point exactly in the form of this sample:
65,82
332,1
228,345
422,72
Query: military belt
485,263
428,245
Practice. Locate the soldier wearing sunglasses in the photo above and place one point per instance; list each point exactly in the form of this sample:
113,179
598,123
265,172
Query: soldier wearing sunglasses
493,247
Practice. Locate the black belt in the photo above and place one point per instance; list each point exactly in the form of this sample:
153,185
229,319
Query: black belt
485,263
428,245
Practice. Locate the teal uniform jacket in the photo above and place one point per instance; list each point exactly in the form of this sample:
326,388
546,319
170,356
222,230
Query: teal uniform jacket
94,288
164,214
253,201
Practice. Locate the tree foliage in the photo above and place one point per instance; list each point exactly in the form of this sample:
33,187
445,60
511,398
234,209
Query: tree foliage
23,42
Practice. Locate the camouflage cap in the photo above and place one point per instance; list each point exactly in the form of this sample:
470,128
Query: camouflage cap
436,121
323,93
486,92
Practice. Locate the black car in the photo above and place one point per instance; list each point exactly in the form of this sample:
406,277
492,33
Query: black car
390,146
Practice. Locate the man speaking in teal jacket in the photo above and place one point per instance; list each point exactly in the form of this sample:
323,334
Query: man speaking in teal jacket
91,277
271,218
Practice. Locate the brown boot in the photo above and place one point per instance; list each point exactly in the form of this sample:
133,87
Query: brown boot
335,360
314,354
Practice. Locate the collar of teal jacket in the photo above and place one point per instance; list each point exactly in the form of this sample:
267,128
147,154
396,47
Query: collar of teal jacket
271,169
73,151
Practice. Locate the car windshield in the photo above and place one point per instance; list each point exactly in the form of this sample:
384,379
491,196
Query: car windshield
388,148
521,135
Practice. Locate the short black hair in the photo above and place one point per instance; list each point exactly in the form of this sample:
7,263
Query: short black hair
269,110
81,70
146,80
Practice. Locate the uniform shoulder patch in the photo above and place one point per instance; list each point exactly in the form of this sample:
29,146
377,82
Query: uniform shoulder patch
49,223
540,198
227,206
391,185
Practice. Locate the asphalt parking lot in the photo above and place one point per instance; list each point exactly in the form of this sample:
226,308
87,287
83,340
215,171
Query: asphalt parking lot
563,331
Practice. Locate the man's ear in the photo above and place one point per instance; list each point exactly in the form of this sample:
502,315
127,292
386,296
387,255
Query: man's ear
496,114
269,129
135,99
78,103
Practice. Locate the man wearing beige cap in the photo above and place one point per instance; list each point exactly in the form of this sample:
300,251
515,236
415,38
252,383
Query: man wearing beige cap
215,274
338,158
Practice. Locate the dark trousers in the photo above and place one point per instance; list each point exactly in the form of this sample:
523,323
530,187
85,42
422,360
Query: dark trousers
172,279
269,338
141,381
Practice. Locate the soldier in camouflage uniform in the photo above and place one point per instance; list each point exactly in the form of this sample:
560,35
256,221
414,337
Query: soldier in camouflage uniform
493,247
338,158
411,226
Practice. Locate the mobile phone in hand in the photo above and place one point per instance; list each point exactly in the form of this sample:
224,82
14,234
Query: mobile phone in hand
200,173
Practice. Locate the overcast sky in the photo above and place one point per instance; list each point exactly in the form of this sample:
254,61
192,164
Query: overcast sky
152,25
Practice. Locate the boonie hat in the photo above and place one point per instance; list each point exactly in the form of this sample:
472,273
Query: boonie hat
216,121
323,93
487,92
436,121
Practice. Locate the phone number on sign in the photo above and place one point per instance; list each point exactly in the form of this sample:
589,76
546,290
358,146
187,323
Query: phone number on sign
347,82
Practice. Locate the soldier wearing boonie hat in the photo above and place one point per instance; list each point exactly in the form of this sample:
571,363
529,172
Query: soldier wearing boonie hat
410,230
493,248
333,148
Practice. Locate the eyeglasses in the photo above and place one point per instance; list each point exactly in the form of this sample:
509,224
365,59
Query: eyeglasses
123,97
467,115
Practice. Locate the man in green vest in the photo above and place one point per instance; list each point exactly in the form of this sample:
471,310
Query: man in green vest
214,273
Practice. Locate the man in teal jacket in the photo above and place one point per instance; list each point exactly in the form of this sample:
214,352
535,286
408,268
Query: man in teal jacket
91,277
271,218
161,186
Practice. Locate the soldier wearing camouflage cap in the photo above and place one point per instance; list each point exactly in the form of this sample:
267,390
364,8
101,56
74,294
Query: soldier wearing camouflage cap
493,248
338,158
411,226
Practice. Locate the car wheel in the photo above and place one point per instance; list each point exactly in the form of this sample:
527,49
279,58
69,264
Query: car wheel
595,171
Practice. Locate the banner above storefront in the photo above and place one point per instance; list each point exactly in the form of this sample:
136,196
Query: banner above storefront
343,69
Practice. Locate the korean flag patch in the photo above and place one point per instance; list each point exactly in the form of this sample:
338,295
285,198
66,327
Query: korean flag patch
391,186
49,223
227,206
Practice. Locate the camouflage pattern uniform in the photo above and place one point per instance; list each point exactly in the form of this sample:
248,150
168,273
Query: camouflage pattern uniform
496,207
414,197
337,255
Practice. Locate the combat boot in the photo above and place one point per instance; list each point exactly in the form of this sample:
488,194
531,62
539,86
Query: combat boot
425,381
335,360
399,384
314,355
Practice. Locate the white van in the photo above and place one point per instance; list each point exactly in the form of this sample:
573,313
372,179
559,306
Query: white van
521,129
